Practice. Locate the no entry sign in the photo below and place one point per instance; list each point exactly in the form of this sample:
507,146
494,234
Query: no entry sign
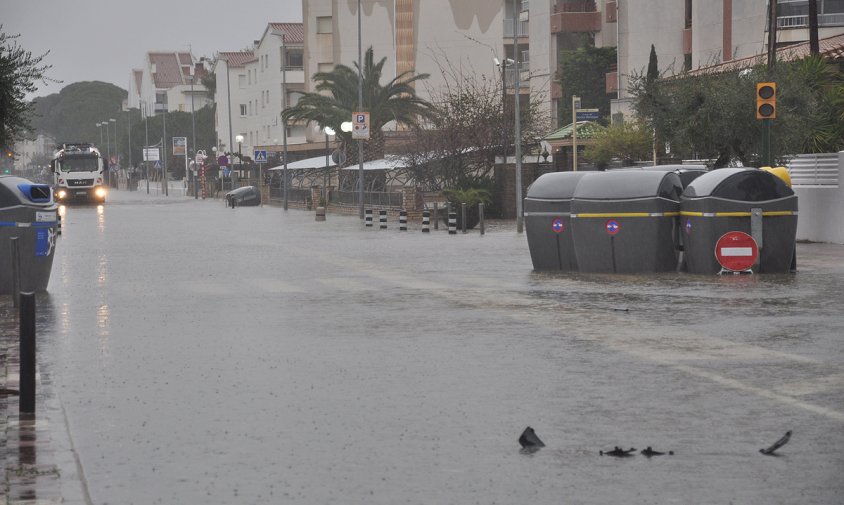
736,251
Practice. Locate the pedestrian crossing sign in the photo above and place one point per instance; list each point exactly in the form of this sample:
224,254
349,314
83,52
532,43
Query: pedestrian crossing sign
260,156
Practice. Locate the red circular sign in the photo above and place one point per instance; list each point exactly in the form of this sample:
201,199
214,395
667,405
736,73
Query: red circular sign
736,251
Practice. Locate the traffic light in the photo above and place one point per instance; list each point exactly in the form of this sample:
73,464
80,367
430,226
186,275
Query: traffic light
766,100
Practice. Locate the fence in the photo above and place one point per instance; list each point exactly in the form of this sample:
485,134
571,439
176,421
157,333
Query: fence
370,198
814,169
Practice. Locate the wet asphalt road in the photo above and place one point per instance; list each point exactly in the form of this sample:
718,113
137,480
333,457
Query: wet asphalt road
200,354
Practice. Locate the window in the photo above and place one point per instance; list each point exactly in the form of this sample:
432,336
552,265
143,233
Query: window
243,110
295,59
525,5
241,81
324,25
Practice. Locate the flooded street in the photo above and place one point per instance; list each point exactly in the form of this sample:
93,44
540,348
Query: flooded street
200,354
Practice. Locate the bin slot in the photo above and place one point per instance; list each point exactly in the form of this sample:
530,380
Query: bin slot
37,193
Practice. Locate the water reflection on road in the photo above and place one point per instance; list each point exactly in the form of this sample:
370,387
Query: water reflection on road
212,355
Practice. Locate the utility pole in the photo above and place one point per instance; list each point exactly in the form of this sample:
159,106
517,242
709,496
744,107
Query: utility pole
516,95
360,108
283,107
814,47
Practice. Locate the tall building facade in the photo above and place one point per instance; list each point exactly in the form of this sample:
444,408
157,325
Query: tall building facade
168,81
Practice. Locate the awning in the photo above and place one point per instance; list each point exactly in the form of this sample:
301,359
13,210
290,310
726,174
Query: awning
387,163
317,162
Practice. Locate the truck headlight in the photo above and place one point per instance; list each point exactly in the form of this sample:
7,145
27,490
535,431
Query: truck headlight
100,192
61,194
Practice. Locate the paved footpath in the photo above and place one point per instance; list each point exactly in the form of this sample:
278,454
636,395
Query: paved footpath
38,468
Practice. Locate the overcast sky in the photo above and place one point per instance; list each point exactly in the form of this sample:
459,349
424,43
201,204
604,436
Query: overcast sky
102,40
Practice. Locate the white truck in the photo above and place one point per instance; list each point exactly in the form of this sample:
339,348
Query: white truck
79,171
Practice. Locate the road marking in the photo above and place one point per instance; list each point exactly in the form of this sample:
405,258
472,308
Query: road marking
813,386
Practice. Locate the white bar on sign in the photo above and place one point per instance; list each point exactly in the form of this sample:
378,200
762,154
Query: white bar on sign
736,251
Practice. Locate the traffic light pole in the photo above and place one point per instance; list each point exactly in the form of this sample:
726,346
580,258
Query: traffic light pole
766,142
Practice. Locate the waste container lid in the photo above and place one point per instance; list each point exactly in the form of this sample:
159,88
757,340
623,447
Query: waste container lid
741,184
555,186
629,184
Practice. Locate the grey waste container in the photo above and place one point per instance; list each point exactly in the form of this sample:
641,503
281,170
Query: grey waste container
28,212
723,200
625,221
245,196
548,221
687,173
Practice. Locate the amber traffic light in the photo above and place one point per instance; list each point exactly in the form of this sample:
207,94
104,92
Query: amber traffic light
766,100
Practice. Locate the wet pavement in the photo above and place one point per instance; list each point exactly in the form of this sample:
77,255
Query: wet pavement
190,353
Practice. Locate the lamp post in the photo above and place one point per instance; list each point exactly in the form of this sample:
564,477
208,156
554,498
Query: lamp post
360,107
516,95
283,118
116,149
503,65
108,153
239,139
100,127
329,131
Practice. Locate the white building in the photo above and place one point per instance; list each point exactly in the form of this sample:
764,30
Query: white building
170,81
33,156
252,87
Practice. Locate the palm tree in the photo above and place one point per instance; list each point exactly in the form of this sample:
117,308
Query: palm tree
336,97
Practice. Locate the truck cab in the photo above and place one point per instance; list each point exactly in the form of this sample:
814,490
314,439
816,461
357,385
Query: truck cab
78,174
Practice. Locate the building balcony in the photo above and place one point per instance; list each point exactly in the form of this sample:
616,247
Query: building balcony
576,22
510,78
824,20
522,28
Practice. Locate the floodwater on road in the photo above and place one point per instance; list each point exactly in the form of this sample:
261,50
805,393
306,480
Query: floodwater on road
201,354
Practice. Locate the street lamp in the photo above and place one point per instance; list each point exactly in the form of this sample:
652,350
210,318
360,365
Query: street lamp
99,127
329,131
503,65
517,70
239,139
116,154
360,108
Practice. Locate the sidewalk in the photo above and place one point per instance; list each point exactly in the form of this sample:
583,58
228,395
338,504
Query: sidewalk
37,468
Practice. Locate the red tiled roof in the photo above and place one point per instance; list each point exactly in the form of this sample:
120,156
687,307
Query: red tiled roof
237,59
170,68
831,48
294,33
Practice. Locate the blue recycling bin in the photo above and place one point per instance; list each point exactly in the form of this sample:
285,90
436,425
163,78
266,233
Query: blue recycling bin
28,213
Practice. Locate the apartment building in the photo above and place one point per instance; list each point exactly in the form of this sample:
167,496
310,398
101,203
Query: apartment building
253,86
699,33
465,37
168,81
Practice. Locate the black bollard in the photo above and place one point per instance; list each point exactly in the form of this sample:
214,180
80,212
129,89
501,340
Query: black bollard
463,217
436,216
382,219
481,215
452,223
27,353
368,218
426,221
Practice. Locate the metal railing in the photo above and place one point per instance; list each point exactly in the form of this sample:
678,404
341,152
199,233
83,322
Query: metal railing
523,28
835,19
372,198
814,169
293,194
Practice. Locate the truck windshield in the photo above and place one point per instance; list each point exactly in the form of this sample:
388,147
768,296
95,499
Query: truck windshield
87,164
